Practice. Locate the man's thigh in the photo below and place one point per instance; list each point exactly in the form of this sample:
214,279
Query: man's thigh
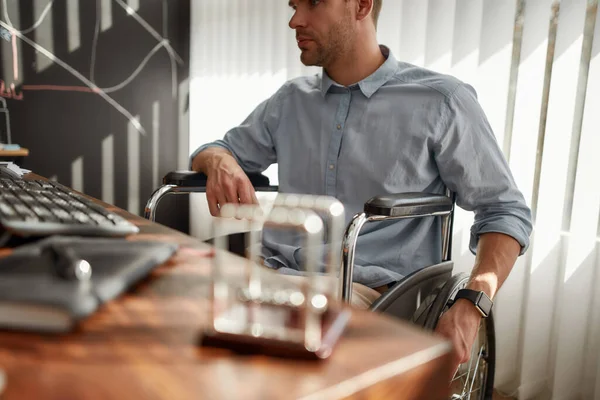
362,296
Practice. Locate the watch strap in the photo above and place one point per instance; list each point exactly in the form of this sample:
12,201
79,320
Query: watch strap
481,301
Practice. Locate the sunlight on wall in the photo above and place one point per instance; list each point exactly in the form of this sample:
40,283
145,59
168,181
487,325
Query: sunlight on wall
108,169
73,33
77,174
43,34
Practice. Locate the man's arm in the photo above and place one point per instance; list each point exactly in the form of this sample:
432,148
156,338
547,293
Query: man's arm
208,157
472,165
249,147
226,181
496,255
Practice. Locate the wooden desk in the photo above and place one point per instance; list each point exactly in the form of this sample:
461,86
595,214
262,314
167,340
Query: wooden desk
144,346
22,152
15,156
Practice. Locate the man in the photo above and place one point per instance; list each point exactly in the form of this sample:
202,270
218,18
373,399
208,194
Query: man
370,125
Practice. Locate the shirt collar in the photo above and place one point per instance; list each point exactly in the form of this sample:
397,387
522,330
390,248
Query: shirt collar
372,83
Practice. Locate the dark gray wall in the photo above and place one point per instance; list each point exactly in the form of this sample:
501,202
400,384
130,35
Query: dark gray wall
59,127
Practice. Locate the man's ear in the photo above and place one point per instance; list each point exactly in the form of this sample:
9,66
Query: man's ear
364,8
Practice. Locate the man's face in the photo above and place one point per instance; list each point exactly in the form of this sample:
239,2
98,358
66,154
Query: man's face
324,29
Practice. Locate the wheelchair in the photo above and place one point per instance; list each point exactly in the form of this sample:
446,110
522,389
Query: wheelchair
421,297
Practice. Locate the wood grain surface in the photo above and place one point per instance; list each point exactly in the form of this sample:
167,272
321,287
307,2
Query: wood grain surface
22,152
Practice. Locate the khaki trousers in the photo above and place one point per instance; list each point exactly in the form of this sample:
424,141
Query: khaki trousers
362,296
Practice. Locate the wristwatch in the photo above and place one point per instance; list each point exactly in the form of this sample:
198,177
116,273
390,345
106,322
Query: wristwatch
482,302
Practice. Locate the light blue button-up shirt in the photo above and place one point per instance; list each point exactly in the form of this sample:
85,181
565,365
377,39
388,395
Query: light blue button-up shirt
402,129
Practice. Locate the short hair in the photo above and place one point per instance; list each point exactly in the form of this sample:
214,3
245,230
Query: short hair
376,10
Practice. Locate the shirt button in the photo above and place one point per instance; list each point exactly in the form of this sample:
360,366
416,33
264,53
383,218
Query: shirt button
331,166
339,127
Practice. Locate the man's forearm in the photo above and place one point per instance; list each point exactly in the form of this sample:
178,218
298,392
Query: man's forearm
207,158
496,256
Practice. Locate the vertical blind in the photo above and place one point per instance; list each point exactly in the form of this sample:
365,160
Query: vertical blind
536,67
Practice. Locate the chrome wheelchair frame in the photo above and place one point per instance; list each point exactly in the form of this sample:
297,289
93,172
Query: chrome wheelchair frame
421,297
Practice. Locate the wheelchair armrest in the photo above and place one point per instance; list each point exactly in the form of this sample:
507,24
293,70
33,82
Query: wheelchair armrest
409,205
184,182
400,205
198,179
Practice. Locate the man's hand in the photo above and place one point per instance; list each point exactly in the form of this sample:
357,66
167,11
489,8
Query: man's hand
460,325
226,181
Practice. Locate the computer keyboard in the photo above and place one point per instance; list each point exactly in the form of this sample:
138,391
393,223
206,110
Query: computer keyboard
41,208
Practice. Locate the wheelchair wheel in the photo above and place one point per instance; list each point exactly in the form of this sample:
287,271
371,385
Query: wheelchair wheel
474,379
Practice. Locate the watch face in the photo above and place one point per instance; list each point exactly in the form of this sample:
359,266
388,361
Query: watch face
485,303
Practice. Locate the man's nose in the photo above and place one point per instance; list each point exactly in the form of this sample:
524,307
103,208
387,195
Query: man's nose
297,21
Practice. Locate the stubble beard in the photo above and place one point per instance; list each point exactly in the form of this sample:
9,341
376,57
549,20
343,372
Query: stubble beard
338,43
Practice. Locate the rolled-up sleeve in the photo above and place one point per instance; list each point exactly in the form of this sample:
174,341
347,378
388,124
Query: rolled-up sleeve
252,143
473,166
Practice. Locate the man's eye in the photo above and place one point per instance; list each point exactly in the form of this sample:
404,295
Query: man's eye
315,2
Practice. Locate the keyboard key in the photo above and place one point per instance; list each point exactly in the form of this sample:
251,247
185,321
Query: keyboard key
7,210
37,207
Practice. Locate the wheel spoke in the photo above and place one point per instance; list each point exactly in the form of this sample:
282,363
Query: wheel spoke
468,375
475,372
461,376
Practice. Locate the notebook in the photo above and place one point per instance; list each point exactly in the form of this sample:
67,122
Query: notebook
36,294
